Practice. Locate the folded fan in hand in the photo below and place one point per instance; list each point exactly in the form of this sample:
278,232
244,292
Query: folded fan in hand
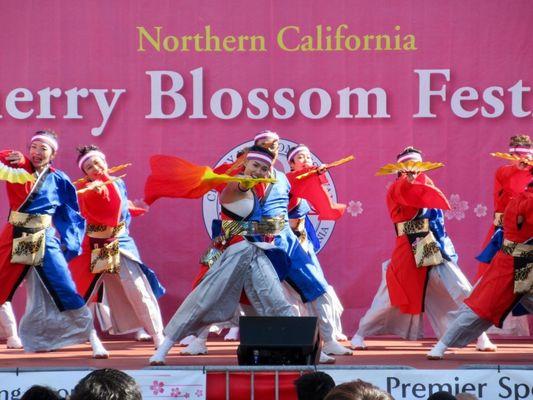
512,157
15,175
408,166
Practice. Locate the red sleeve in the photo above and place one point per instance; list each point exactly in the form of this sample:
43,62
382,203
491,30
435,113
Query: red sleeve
96,208
419,194
313,190
25,163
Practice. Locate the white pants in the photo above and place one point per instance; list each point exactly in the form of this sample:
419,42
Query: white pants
129,302
242,266
447,287
43,327
8,323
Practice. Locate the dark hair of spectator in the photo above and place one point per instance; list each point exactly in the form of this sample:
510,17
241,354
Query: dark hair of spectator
106,384
314,386
38,392
357,390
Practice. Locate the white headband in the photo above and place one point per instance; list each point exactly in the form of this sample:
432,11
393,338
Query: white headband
266,135
523,150
297,150
411,156
86,156
255,155
50,141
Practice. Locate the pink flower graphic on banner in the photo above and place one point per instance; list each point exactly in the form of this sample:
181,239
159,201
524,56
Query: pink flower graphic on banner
199,393
175,392
480,210
187,395
157,387
458,208
355,208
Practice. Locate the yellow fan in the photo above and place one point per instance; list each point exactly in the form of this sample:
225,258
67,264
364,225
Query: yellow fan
15,175
512,157
408,166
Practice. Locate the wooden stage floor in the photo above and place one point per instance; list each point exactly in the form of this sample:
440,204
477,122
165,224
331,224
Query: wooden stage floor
381,352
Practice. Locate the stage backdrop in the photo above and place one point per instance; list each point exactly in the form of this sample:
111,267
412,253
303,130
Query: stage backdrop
197,79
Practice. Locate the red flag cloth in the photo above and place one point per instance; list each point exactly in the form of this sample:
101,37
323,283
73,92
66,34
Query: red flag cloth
176,178
312,189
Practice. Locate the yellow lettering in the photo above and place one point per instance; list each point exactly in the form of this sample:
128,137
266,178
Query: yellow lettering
387,42
409,42
280,38
171,43
227,41
156,44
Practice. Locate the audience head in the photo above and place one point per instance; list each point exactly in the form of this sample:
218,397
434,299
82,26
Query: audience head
442,395
106,384
37,392
314,386
465,396
357,390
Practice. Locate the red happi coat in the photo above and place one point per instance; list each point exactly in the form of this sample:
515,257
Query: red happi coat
493,296
97,209
405,281
509,181
16,194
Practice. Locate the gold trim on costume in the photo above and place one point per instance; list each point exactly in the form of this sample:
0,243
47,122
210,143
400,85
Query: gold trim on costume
412,226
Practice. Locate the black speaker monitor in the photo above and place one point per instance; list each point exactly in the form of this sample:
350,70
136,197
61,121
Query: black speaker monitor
278,341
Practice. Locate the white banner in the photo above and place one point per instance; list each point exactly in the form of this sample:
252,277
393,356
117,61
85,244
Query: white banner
404,384
154,384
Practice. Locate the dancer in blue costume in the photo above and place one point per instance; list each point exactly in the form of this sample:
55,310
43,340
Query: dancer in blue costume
303,275
299,158
56,315
241,261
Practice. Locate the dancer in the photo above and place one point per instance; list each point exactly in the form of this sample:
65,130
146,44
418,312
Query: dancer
299,158
509,181
240,263
422,274
303,275
110,273
56,315
507,281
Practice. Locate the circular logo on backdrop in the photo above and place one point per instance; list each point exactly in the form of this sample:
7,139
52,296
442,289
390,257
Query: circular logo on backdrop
211,205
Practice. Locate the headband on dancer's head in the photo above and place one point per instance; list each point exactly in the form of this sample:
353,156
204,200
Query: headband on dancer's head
520,145
268,135
409,154
47,138
90,154
298,149
257,153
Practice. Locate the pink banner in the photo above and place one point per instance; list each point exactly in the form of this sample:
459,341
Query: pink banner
198,79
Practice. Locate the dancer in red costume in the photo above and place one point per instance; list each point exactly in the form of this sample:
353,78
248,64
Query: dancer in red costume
508,280
109,274
509,181
422,274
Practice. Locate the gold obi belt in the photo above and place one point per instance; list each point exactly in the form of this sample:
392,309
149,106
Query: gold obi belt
498,219
29,237
425,248
523,265
232,228
105,251
266,226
